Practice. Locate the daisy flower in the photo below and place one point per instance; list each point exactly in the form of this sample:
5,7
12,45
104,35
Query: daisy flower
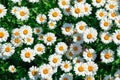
78,60
12,69
81,26
66,76
39,49
117,75
29,40
55,14
16,32
67,11
101,14
61,48
41,18
49,38
89,77
106,37
70,54
90,35
45,70
25,31
40,37
89,54
67,29
116,37
16,41
33,1
66,66
77,10
98,3
52,24
55,60
38,30
87,9
7,50
80,69
118,51
106,24
117,21
107,56
27,55
15,1
33,73
3,11
64,3
111,6
78,38
108,77
79,1
92,68
14,10
3,35
22,13
112,15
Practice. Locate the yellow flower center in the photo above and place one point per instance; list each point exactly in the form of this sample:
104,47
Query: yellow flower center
28,39
12,69
8,49
80,68
70,53
113,14
89,36
16,33
89,78
81,27
106,24
98,1
17,40
78,61
2,34
55,14
49,38
111,6
34,72
25,32
79,0
101,14
68,10
66,66
107,55
89,54
14,10
39,49
64,2
61,48
65,79
22,13
90,68
1,10
118,36
106,37
41,18
27,54
86,9
37,30
67,29
45,71
55,60
52,24
77,10
78,38
75,48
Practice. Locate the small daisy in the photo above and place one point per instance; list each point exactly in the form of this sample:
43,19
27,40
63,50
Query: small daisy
12,69
33,73
89,54
16,41
41,18
77,10
55,60
27,55
3,11
38,30
64,3
66,66
90,35
25,31
108,77
117,75
118,51
106,24
55,14
39,49
79,1
87,9
78,38
92,68
29,40
49,38
14,10
67,11
80,69
66,76
89,77
116,37
117,21
112,15
61,48
112,6
16,32
67,29
40,37
52,24
15,1
76,48
81,26
22,13
78,60
70,54
105,37
33,1
101,14
3,35
45,70
107,56
98,3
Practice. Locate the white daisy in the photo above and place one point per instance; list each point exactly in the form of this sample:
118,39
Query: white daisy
90,35
45,70
52,24
16,41
117,75
89,54
25,31
78,60
98,3
116,37
39,49
15,1
111,6
118,51
66,66
79,1
89,77
78,38
67,29
14,10
108,77
33,1
117,21
3,35
80,69
67,11
107,56
106,37
33,73
22,13
38,30
41,18
55,60
29,40
92,68
27,55
12,69
81,26
3,11
49,38
55,14
101,14
106,24
16,32
87,9
61,48
66,76
64,3
112,15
